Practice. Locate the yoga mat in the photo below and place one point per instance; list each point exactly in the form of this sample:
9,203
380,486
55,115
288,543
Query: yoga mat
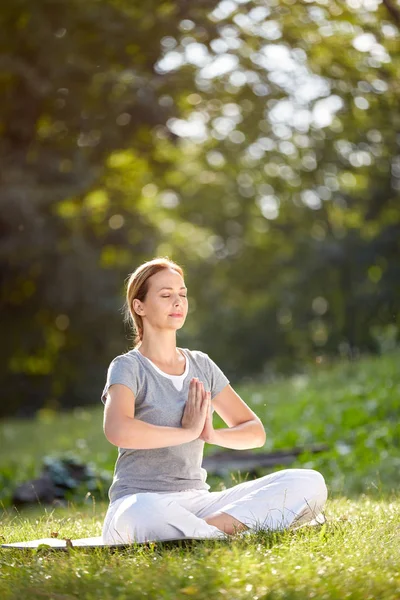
91,542
63,544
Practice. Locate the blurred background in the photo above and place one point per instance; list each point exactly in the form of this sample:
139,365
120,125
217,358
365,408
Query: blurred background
256,143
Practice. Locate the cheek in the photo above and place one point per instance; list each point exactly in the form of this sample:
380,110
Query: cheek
157,306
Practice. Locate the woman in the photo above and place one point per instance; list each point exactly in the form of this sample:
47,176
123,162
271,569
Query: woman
158,412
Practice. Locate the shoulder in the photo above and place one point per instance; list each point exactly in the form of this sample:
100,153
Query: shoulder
127,361
126,369
126,357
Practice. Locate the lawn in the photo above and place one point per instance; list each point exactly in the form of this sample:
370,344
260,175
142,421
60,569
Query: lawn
351,407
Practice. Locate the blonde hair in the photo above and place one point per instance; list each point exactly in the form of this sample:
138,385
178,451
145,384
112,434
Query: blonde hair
138,286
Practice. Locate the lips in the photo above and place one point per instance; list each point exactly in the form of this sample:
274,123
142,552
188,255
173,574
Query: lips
176,315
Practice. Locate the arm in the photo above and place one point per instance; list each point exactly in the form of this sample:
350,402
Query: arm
245,429
123,430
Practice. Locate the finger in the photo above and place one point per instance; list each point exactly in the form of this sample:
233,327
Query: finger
193,388
199,392
190,394
202,390
205,397
206,401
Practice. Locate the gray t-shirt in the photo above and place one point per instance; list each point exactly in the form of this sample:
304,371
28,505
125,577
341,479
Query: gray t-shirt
159,402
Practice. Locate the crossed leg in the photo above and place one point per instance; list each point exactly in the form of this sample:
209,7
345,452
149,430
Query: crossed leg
283,499
275,501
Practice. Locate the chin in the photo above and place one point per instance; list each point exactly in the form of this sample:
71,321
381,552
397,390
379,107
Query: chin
178,325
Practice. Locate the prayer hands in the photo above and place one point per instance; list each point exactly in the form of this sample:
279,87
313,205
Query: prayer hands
197,408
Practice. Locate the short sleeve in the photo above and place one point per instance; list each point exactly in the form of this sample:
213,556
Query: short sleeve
122,369
217,378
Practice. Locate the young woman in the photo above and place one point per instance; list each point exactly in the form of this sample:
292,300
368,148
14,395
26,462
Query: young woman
158,412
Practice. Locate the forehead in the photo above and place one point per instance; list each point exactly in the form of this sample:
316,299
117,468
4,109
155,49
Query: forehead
166,278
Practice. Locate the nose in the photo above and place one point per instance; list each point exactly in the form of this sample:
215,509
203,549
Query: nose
178,302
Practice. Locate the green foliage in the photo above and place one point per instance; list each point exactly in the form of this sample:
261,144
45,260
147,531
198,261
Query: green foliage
258,145
351,407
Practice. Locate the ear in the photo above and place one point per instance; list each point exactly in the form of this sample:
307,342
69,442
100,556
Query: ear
137,307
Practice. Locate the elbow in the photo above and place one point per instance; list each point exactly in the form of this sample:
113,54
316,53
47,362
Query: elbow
111,435
262,436
262,441
117,434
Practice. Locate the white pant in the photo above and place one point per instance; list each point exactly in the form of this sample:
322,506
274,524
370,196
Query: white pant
272,502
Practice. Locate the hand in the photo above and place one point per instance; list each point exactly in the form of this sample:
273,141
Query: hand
196,408
207,435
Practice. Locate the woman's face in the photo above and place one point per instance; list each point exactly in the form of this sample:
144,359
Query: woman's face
166,304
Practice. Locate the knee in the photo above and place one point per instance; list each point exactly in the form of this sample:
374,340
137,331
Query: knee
316,487
310,483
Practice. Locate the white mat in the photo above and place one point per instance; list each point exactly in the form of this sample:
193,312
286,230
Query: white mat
91,542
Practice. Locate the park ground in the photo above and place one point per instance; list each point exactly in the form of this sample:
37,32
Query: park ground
351,407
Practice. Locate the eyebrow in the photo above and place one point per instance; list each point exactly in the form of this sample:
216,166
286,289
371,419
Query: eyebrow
170,288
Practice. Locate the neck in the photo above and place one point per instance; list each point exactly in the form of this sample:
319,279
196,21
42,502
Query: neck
160,348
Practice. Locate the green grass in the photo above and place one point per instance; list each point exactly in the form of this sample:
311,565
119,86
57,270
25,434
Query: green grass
352,407
356,554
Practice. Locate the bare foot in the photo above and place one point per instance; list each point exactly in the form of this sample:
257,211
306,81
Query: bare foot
225,523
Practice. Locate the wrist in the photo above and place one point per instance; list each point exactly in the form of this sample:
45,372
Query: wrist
209,437
191,433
